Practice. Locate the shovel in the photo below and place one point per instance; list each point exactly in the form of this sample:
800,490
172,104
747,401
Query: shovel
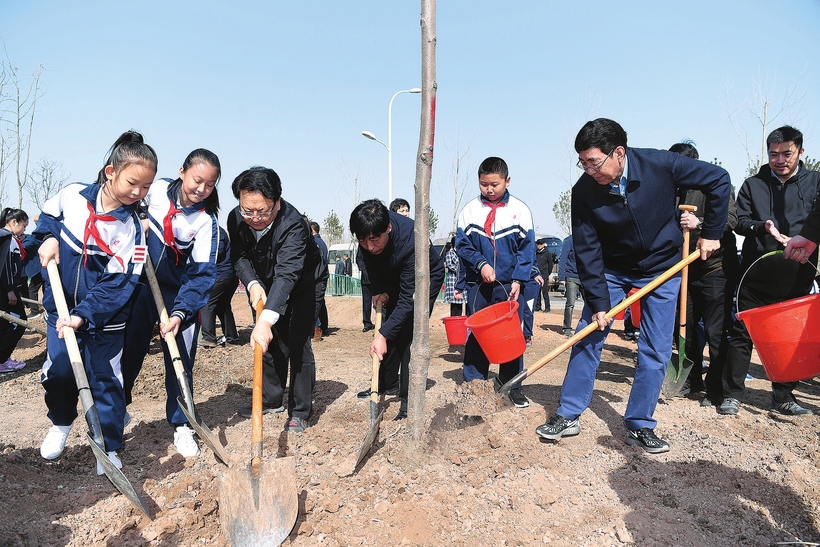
677,371
186,402
504,390
22,322
95,435
258,504
375,415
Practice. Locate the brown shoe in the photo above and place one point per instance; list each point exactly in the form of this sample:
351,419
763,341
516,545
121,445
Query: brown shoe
317,334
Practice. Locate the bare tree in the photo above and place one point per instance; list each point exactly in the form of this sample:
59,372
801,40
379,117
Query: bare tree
758,113
19,106
459,179
420,349
48,178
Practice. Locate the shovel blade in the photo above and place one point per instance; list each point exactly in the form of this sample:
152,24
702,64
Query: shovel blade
267,524
368,440
117,478
205,434
677,371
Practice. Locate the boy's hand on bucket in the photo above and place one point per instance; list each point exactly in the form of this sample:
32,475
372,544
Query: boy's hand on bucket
488,273
799,249
515,290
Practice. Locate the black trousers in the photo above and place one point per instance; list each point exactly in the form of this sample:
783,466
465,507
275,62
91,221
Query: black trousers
709,299
367,305
291,346
219,305
10,333
321,306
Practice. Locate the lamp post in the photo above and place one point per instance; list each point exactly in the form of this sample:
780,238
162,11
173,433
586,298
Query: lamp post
389,144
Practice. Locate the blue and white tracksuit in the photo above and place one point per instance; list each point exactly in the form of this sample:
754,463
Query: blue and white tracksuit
511,253
97,283
185,277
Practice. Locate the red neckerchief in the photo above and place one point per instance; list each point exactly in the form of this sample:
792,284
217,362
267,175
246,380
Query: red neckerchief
92,231
168,231
488,224
20,245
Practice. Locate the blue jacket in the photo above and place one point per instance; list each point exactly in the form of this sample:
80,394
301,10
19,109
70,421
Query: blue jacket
393,271
97,285
566,264
639,234
224,267
192,274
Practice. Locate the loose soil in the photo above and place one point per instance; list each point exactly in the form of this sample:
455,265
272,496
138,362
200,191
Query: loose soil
750,480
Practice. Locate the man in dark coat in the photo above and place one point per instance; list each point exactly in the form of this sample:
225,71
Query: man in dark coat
387,247
545,265
276,258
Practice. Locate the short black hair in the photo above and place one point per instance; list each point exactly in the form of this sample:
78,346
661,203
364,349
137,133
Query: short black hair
314,226
258,179
494,165
369,218
603,134
783,134
685,148
398,203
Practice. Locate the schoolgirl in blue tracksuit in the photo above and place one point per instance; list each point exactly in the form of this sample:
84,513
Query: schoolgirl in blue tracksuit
182,236
93,231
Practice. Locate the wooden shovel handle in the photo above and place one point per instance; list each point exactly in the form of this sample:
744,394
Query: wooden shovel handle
684,277
256,401
374,379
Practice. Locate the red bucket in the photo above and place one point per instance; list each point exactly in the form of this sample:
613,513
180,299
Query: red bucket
497,329
787,337
456,330
635,310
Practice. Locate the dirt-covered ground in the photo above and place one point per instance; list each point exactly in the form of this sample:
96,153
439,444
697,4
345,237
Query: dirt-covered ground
746,480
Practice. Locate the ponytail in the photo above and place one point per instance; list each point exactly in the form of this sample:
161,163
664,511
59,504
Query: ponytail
128,149
10,214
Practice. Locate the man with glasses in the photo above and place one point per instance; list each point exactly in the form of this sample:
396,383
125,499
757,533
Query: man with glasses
625,233
278,261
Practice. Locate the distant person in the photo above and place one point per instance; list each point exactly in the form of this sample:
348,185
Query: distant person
348,265
98,279
625,233
367,295
400,206
33,271
568,277
339,271
387,244
530,294
219,301
279,263
545,263
710,289
496,244
12,281
182,238
770,205
451,266
322,319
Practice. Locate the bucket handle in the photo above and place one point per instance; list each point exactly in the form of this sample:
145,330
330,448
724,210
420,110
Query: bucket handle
770,253
492,283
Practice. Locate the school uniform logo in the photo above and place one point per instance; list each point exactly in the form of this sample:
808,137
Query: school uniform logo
140,254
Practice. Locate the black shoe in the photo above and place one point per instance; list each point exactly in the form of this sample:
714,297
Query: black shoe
247,411
790,408
296,424
368,328
392,390
519,399
364,394
402,415
729,406
558,427
569,333
646,439
706,402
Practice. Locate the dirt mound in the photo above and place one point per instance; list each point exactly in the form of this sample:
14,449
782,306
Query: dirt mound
745,480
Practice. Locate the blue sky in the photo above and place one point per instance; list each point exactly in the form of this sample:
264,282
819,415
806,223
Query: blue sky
291,85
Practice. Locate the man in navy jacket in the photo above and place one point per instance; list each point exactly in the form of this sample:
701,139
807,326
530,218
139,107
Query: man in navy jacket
387,247
625,233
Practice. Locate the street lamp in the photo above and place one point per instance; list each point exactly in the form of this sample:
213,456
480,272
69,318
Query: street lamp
389,144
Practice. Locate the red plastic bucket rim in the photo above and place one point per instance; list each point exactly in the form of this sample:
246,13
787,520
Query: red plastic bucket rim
751,312
472,324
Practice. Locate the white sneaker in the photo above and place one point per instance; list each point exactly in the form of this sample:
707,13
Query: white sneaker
184,441
114,459
126,420
54,443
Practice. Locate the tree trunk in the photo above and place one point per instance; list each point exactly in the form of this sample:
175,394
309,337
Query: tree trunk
420,349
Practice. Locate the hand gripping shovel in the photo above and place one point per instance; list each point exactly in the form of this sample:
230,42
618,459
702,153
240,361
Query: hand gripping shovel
95,436
258,504
504,390
677,371
375,415
186,402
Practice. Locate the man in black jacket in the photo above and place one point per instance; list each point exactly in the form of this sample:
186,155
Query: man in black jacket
770,206
387,247
545,264
278,261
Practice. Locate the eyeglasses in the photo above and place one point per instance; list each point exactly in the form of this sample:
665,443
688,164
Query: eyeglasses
261,215
593,168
